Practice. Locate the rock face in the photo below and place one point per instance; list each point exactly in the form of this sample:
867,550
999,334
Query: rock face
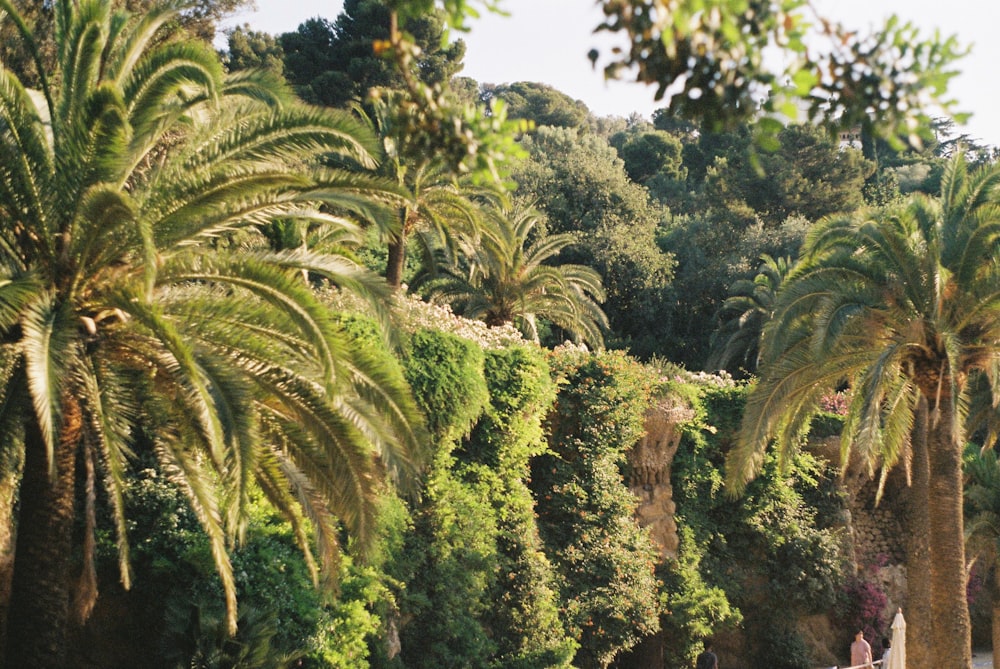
649,463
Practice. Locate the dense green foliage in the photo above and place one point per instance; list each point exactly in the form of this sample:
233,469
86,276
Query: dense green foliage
773,552
581,185
334,63
171,236
539,103
982,528
694,208
479,588
522,549
250,49
525,618
445,373
177,601
586,513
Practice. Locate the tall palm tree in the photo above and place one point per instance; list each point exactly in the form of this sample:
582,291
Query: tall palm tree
982,529
138,297
507,275
904,305
746,310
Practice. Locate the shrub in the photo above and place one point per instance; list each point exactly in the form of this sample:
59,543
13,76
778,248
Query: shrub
283,615
446,375
768,551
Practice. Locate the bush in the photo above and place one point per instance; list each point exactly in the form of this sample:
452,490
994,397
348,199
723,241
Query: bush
446,375
479,589
283,615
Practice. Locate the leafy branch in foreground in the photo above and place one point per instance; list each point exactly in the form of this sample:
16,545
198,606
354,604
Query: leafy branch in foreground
472,139
707,57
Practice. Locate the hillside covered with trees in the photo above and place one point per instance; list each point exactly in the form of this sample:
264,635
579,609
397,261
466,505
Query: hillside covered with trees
317,353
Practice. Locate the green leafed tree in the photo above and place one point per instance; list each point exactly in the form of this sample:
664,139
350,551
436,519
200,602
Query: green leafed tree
649,154
249,49
900,304
539,103
807,174
138,296
581,185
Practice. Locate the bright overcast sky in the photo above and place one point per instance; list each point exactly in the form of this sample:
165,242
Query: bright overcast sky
548,41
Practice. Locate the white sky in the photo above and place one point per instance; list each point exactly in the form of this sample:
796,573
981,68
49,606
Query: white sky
548,40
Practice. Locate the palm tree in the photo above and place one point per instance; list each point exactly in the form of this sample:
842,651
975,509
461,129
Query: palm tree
904,305
137,297
746,310
438,208
505,276
982,530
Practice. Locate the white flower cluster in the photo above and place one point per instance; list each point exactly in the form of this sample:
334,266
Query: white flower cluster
412,313
719,379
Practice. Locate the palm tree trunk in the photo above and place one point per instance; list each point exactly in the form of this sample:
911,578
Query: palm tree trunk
951,635
918,556
38,624
397,252
394,266
995,620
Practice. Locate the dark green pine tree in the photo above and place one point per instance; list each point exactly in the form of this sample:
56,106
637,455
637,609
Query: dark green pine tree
334,63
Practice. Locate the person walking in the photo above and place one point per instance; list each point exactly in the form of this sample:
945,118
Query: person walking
707,659
861,651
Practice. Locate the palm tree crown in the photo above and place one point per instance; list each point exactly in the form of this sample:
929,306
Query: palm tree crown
505,276
439,208
746,311
137,291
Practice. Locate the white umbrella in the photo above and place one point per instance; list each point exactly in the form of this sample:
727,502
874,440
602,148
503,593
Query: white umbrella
897,654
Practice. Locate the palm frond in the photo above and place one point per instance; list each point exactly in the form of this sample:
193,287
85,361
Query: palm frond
46,344
111,409
129,46
27,162
190,477
325,445
178,368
